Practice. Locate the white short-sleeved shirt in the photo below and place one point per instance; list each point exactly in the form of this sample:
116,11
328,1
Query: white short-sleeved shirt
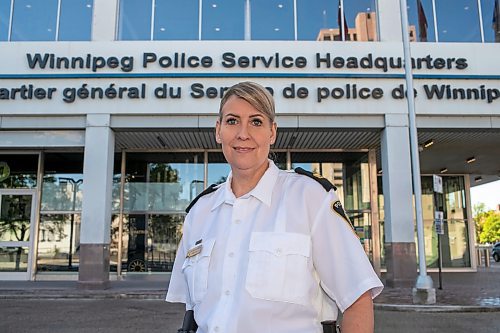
268,259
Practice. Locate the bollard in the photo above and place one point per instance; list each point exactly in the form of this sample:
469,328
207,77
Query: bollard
479,257
486,258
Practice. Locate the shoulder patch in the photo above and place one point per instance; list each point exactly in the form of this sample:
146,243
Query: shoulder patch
337,208
323,181
208,190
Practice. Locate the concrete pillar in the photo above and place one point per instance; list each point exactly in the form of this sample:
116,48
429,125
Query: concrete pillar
96,206
389,21
400,251
104,20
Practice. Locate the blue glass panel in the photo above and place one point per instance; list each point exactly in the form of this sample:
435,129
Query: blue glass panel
4,19
223,20
458,21
422,21
135,20
34,20
272,20
491,23
312,16
176,20
75,21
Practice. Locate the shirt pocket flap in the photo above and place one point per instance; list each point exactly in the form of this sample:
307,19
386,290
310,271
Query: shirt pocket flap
281,243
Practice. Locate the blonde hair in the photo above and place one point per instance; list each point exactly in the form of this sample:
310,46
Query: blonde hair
255,94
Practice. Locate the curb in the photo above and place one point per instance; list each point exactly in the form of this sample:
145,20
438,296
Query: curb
435,308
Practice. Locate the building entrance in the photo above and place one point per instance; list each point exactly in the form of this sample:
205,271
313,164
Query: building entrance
17,225
156,187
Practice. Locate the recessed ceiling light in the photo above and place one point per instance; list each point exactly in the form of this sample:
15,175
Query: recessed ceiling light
379,171
466,7
428,143
89,6
478,179
28,6
214,5
162,29
280,5
470,159
217,29
443,170
276,29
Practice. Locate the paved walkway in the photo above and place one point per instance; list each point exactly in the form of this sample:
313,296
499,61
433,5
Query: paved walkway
473,291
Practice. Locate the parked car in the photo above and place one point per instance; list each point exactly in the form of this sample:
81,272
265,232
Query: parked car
495,251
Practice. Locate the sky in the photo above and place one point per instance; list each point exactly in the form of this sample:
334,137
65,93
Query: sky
489,194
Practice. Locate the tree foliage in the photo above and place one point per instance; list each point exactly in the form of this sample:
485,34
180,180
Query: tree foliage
487,224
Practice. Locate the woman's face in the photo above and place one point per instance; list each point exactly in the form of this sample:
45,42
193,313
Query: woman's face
246,136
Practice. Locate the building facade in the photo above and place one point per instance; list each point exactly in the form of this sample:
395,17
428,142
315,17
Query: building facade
107,113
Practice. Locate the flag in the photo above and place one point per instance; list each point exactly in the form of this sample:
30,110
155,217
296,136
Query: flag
496,21
343,28
422,22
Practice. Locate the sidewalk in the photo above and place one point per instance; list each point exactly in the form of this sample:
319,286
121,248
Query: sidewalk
461,291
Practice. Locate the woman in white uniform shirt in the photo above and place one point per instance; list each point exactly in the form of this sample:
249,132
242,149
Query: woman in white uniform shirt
268,250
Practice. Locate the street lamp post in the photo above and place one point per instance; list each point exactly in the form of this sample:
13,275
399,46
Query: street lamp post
423,292
74,188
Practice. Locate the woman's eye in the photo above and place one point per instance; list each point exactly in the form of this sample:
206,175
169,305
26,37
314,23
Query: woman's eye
231,121
256,122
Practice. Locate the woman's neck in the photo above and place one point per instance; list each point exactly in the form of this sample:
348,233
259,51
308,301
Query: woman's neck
244,181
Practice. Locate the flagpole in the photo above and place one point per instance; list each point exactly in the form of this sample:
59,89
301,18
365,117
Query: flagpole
248,21
424,282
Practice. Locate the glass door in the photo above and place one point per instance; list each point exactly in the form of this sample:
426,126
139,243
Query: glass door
17,211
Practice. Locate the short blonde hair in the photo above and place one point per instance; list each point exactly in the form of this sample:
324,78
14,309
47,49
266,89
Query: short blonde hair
255,94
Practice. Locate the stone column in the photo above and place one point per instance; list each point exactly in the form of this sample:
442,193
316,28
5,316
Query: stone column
400,251
96,206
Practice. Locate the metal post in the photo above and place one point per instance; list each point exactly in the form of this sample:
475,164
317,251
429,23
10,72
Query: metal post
424,282
248,22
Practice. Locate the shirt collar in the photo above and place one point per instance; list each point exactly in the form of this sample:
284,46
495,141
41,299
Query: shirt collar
263,191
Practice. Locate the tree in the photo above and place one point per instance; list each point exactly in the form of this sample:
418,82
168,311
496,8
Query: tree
490,231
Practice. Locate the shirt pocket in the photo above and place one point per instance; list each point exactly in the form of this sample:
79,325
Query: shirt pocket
278,267
195,270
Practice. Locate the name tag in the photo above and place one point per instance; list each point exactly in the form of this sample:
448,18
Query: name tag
194,251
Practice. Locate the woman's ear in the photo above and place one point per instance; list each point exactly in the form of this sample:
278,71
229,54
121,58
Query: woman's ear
217,132
274,129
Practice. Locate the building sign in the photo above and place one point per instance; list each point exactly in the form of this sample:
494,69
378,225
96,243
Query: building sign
120,76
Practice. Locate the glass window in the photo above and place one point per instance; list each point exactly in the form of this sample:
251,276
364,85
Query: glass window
14,259
421,20
312,16
176,20
4,19
491,21
134,22
58,242
75,20
162,182
62,189
458,21
18,171
223,20
34,20
272,20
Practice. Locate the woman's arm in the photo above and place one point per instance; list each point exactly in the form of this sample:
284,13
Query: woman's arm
358,318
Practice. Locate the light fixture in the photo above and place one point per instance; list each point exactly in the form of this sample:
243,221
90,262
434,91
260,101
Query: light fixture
470,159
443,170
379,171
478,179
428,143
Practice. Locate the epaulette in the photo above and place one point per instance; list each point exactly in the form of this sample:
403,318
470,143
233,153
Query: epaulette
323,181
208,190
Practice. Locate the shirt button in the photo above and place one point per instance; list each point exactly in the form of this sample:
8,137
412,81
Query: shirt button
231,254
227,293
